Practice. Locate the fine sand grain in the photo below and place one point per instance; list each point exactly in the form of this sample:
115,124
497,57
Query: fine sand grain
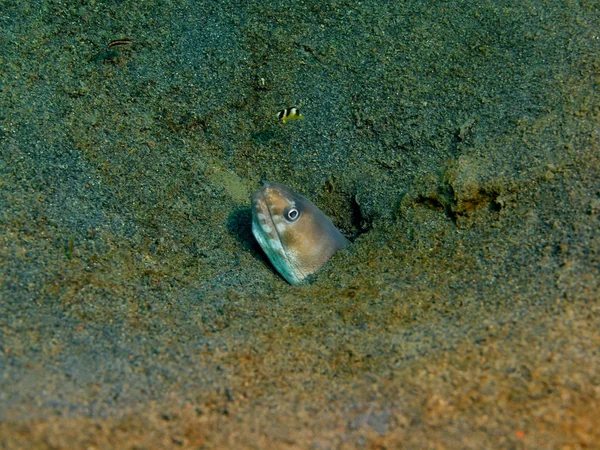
457,144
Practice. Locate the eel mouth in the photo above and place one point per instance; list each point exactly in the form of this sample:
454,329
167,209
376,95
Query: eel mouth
266,233
264,228
262,201
262,215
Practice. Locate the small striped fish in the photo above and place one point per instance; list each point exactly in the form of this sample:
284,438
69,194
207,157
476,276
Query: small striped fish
295,235
292,113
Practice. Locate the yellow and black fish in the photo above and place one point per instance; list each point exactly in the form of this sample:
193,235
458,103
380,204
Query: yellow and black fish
292,113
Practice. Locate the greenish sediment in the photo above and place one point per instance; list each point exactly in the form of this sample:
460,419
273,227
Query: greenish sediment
456,144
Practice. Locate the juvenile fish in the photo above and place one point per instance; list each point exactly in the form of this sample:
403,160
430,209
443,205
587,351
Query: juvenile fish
295,235
292,113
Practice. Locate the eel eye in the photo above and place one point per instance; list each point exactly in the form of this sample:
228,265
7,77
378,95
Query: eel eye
291,214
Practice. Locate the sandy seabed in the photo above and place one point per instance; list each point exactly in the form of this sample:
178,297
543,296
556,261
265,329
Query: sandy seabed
456,144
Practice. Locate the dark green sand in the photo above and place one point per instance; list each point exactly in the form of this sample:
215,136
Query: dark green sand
457,144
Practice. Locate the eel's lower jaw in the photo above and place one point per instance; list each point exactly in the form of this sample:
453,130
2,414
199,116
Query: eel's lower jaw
276,254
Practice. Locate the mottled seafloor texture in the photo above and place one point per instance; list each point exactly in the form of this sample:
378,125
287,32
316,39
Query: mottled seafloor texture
457,144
